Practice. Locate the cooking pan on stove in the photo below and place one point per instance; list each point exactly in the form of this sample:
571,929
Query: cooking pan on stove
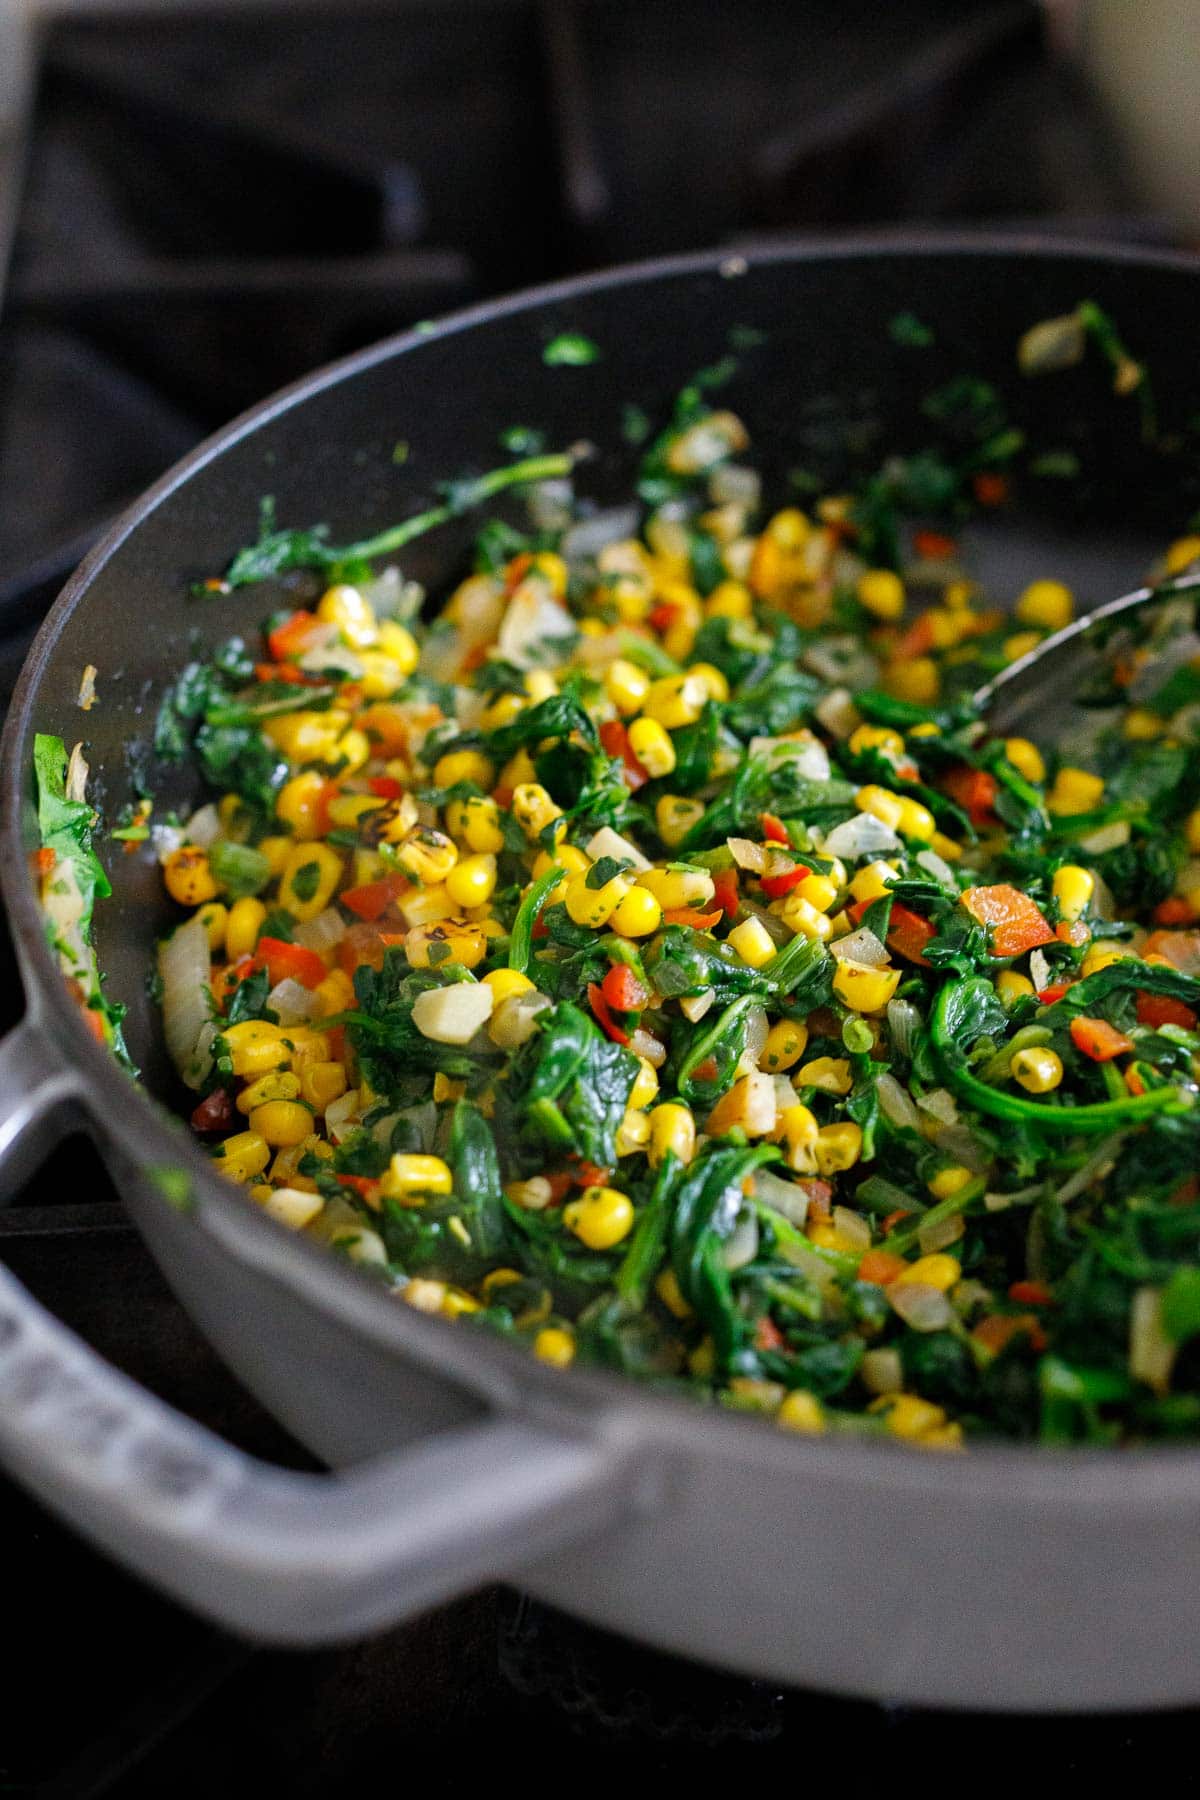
1009,1577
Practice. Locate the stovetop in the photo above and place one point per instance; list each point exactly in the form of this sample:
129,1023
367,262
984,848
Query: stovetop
213,204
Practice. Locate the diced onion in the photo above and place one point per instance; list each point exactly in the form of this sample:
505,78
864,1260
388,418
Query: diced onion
1039,970
644,1043
532,616
861,946
882,1372
757,1028
1109,837
922,1307
342,1116
550,503
516,1019
853,1227
203,828
896,1104
323,932
782,1196
863,835
452,1015
939,1104
76,778
184,965
293,1002
1052,344
903,1019
1151,1352
934,865
837,713
734,483
770,922
585,540
166,839
806,754
741,1246
694,1006
747,855
940,1233
608,842
959,1143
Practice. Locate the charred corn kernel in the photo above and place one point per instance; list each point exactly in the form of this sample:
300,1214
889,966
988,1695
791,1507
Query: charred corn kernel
595,906
637,914
310,879
289,1206
945,847
1012,987
426,906
817,890
729,600
714,681
875,737
831,1074
399,646
1020,644
671,1294
188,877
949,1181
677,887
600,1218
798,1128
409,1175
675,700
753,942
626,686
1025,758
1100,955
672,1132
1140,725
801,1411
645,1085
277,1084
908,1416
1075,791
864,989
838,1147
352,613
533,808
1182,553
1047,604
938,1271
504,983
652,747
345,810
1073,888
464,765
554,1346
633,1133
873,882
674,816
502,711
298,803
916,821
281,1122
305,736
214,916
255,1046
1191,831
426,855
242,1156
882,593
881,803
451,942
477,823
1037,1070
321,1083
335,994
802,918
916,680
472,881
786,1043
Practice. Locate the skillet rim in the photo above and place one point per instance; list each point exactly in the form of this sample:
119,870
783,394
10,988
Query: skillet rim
1161,1476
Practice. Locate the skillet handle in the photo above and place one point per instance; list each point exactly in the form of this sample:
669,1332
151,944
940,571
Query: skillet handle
279,1556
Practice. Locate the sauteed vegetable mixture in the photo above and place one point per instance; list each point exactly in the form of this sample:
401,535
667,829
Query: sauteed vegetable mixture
655,960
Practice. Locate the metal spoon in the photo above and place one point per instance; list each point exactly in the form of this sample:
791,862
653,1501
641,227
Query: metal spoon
1043,683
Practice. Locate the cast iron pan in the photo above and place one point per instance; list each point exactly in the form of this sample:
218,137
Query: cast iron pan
1004,1578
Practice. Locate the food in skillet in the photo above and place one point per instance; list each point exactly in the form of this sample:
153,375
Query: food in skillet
655,960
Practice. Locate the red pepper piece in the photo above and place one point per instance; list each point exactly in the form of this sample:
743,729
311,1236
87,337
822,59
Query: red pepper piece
294,636
214,1113
1161,1009
1031,1293
773,829
687,915
615,739
1098,1039
603,1017
725,891
386,787
974,790
284,961
622,989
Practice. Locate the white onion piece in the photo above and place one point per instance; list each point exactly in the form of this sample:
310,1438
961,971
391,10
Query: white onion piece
960,1144
532,616
757,1028
903,1019
585,540
882,1372
385,594
644,1043
550,503
741,1246
863,835
781,1196
516,1019
608,842
1039,970
335,658
694,1006
941,871
922,1307
76,778
785,1093
940,1233
896,1104
733,483
344,1115
1109,837
770,922
184,966
203,828
939,1104
323,932
292,1001
861,946
165,840
853,1227
1151,1351
807,753
837,712
754,856
452,1015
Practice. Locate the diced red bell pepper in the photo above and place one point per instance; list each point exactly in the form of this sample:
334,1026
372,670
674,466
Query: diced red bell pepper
284,962
773,829
767,1335
1016,924
908,932
932,545
1049,995
880,1267
725,891
998,1330
890,1220
820,1196
974,790
321,819
1031,1293
775,886
590,1174
687,915
1162,1009
603,1016
1098,1039
707,1070
916,641
560,1185
386,787
614,737
373,898
622,989
990,488
1174,910
214,1113
662,617
294,636
540,928
364,1186
44,860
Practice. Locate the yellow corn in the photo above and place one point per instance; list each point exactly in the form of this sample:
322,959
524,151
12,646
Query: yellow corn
645,1085
786,1043
1073,888
1046,604
652,747
1025,758
873,882
1012,987
1075,791
450,942
677,887
1141,726
801,1411
242,1156
802,918
308,1046
595,906
882,593
938,1271
917,680
533,808
672,1132
1020,644
798,1129
426,855
831,1074
464,765
502,711
289,1206
1037,1070
321,1083
875,737
908,1416
472,881
753,942
600,1218
633,1133
310,879
188,877
1182,553
816,890
335,994
345,811
881,803
255,1046
675,700
674,816
504,983
554,1346
477,823
949,1181
863,988
281,1122
1100,955
410,1177
916,821
671,1294
216,917
626,686
637,914
729,600
351,612
277,1084
714,681
306,736
838,1147
298,802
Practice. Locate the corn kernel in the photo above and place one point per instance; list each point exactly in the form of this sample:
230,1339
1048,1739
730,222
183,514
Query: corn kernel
652,747
1075,791
298,803
626,686
472,881
645,1085
352,751
504,983
873,881
216,918
477,823
600,1218
881,803
426,856
464,765
1047,604
916,821
671,1294
346,811
917,680
875,737
672,1132
633,1133
307,1046
306,736
276,1084
803,919
335,994
798,1128
729,600
1025,758
1141,726
1191,831
838,1147
1182,553
803,1412
1100,956
909,1417
677,887
786,1043
714,681
188,877
533,808
675,700
321,1083
1012,987
1020,644
753,942
1037,1070
310,879
949,1181
938,1271
1073,888
863,988
242,1156
881,591
410,1177
674,815
452,942
502,711
554,1346
945,847
281,1122
289,1206
831,1074
255,1046
637,914
352,613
